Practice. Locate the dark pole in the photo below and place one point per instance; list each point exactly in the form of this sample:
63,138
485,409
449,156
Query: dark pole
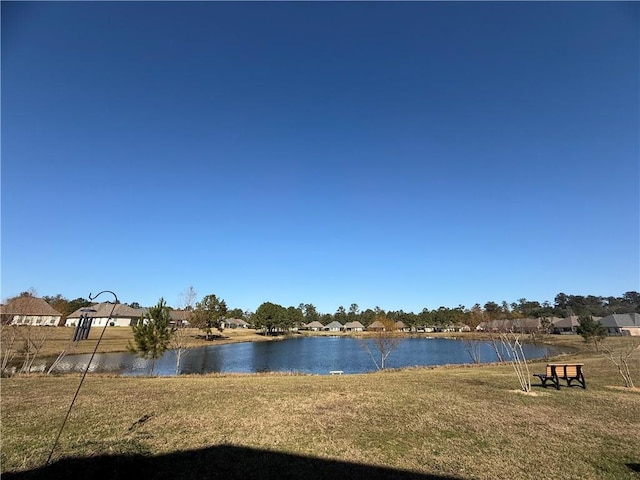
84,374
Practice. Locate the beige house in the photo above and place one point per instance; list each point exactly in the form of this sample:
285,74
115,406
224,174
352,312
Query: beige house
376,326
235,323
401,326
123,315
622,324
353,327
314,326
27,310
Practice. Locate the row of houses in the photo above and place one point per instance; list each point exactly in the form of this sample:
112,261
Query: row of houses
37,312
398,326
616,324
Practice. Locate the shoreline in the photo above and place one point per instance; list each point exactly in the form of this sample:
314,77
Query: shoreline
116,340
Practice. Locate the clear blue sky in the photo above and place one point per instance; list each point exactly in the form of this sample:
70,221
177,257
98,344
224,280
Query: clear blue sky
401,155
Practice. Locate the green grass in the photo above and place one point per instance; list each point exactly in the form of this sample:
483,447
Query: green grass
468,422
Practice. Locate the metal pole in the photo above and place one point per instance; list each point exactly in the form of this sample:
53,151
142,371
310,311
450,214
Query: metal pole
84,374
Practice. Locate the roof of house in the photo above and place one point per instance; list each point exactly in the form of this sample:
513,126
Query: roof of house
104,310
400,324
377,324
526,323
568,322
496,325
314,324
621,320
334,324
29,306
181,315
355,324
235,321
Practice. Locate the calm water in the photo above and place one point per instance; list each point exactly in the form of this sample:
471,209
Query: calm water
315,355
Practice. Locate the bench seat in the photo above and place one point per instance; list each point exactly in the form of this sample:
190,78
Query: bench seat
569,372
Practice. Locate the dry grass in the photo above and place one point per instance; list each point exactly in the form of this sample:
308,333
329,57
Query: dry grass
458,421
116,338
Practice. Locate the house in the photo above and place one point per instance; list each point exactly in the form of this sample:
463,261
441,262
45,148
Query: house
495,326
622,324
179,318
353,327
565,326
334,326
423,328
235,323
376,326
526,325
519,325
314,326
401,326
123,315
27,310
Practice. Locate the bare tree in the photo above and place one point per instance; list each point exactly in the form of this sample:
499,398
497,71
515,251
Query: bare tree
181,339
385,340
620,358
513,347
33,339
473,349
493,338
9,334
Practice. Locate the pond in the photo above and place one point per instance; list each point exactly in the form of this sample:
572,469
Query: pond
306,355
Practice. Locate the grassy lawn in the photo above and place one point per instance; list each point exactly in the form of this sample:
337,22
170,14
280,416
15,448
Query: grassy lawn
448,422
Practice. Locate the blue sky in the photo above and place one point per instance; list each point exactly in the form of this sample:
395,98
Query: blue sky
401,155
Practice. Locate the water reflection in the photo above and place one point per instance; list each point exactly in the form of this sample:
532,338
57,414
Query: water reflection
309,355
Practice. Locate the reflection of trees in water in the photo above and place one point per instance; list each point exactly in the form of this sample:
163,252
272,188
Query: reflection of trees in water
203,360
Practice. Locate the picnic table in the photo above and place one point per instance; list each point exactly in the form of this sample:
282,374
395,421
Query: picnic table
566,371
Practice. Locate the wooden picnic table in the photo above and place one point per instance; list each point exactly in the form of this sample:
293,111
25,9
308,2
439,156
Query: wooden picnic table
567,371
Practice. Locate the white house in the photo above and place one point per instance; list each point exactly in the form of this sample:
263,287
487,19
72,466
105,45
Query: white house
334,326
123,315
27,310
353,327
314,326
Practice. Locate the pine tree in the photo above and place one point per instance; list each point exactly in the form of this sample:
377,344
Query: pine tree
152,334
591,330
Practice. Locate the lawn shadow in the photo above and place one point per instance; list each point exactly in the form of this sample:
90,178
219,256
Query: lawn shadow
634,467
223,461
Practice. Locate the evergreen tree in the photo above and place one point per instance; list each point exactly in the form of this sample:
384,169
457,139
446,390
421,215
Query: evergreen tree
152,334
591,330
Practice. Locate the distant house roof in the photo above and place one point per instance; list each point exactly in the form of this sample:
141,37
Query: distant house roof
621,320
314,324
399,325
180,315
104,309
236,321
377,325
353,325
333,325
530,323
29,306
569,322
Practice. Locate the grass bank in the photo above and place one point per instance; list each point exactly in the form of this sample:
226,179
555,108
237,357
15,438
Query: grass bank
446,422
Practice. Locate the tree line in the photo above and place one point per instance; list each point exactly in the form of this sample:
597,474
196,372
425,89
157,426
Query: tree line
210,311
